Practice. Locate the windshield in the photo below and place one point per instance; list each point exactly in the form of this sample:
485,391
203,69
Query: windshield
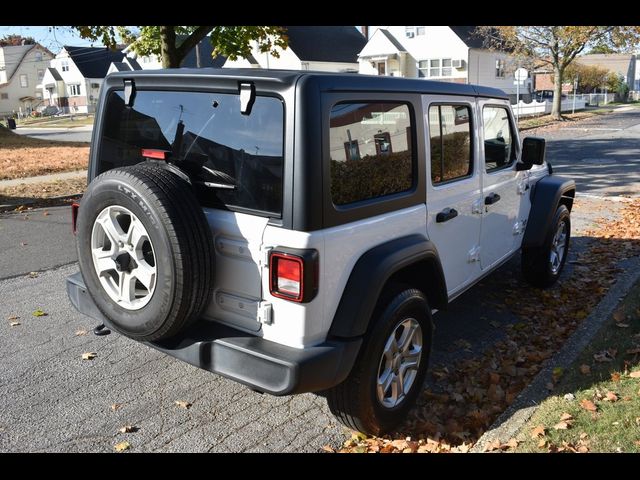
199,130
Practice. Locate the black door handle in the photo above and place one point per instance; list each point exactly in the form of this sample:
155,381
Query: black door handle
491,199
446,215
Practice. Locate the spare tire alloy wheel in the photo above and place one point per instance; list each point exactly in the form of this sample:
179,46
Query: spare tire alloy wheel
123,257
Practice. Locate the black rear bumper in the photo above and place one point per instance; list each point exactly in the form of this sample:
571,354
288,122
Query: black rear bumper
261,364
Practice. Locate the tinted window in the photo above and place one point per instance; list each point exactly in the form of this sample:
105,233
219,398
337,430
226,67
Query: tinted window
499,149
450,135
370,149
208,136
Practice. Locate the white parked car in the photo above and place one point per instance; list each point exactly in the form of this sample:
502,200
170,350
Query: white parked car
294,231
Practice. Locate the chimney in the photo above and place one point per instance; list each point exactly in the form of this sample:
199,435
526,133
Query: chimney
365,32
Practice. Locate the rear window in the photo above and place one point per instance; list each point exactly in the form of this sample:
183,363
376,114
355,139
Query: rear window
209,137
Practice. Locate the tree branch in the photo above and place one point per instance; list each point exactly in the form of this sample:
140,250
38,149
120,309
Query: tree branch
192,40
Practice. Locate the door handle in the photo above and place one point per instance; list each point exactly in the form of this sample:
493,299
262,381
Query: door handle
491,199
446,215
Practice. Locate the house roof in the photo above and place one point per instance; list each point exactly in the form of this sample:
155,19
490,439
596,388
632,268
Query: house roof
467,35
393,40
93,62
11,53
55,74
326,43
206,59
121,67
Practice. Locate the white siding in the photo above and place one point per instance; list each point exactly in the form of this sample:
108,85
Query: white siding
482,71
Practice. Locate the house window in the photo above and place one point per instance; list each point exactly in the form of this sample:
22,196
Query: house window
446,67
423,68
4,96
40,75
382,68
74,90
450,140
24,81
365,132
65,65
38,56
420,30
434,71
410,31
499,68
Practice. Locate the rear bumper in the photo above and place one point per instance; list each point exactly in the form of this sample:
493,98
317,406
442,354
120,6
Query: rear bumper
261,364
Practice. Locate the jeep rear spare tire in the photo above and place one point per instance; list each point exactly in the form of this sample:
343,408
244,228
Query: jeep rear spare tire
145,250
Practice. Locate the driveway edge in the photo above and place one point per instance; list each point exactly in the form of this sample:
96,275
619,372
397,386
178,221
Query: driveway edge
520,411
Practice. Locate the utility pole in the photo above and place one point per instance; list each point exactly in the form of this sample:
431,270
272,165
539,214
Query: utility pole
575,87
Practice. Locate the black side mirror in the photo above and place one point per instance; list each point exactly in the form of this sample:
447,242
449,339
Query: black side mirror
533,151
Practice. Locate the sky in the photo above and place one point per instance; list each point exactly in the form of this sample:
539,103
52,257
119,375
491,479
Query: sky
53,39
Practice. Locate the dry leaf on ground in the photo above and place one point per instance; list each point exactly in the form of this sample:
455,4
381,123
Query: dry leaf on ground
588,405
122,446
328,449
39,313
80,332
566,417
128,429
14,324
635,374
116,406
585,369
611,397
562,425
538,432
89,355
183,404
615,377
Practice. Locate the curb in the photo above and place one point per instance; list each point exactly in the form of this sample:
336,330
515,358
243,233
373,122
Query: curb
520,411
31,202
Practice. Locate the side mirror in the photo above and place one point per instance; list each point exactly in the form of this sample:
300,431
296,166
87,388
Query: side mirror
533,151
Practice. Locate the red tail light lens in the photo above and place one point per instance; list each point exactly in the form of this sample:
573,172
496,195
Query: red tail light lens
74,215
154,153
294,274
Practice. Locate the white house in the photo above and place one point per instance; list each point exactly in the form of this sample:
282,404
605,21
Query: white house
75,75
444,53
320,48
199,56
22,68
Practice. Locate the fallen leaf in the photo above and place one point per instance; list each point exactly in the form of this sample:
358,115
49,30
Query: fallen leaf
89,355
13,317
566,417
464,448
183,404
39,313
569,397
23,244
116,406
122,446
635,374
603,356
80,333
633,351
14,324
34,274
46,214
494,378
585,369
538,432
619,316
622,325
542,443
615,377
491,446
328,449
611,397
562,426
360,449
588,405
128,429
399,444
583,435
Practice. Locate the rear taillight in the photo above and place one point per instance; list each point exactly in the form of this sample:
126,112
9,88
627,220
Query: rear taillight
294,274
154,153
74,215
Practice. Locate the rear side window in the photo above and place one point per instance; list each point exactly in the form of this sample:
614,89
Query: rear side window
371,150
499,148
450,139
206,135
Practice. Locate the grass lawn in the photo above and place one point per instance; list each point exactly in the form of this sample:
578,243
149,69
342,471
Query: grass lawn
597,407
544,120
55,122
22,156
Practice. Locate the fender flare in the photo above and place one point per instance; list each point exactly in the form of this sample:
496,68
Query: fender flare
547,194
372,271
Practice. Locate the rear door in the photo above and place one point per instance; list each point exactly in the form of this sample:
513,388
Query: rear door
502,186
453,191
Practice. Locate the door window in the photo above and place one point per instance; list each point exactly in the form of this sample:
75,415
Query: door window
499,148
450,139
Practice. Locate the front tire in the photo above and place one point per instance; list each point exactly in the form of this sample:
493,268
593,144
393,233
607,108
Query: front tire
390,369
543,265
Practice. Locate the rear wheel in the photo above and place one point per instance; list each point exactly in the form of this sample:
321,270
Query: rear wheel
390,369
542,266
145,250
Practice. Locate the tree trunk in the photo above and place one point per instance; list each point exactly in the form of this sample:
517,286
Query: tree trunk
557,93
170,57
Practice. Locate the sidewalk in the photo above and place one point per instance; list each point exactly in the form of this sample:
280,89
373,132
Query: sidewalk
43,178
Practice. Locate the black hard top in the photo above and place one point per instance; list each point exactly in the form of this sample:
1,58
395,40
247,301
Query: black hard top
326,81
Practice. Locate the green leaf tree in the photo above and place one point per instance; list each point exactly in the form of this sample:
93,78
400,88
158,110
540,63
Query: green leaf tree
173,43
557,46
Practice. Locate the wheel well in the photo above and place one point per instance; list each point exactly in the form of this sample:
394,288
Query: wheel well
422,275
567,198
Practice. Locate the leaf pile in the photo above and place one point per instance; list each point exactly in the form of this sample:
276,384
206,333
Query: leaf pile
468,396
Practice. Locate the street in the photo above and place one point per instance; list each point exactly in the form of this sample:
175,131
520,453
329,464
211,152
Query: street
75,134
53,400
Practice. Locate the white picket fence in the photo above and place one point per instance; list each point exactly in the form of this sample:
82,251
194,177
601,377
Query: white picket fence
539,108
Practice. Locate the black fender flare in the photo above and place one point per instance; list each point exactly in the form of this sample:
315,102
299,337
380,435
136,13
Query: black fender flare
546,196
371,272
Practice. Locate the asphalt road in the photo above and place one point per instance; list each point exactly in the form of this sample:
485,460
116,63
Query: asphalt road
75,134
52,400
